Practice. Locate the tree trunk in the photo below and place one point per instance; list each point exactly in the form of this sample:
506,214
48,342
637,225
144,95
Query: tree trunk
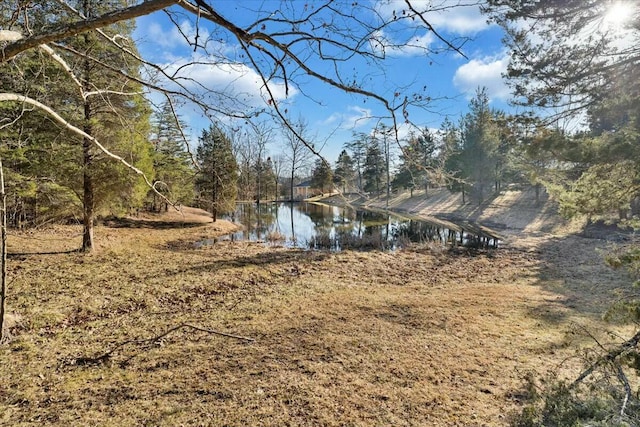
292,174
388,166
635,206
88,185
3,259
214,194
88,201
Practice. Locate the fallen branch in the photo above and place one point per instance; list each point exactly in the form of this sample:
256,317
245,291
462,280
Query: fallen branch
627,389
102,358
610,357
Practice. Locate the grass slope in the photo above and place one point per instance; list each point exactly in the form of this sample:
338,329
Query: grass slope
421,336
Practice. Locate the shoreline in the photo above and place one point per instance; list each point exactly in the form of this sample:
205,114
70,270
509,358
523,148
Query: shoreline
508,214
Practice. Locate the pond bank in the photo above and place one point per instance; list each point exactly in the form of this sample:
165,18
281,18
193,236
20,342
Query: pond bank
510,213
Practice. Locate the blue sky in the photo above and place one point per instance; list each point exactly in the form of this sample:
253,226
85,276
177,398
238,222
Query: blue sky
333,116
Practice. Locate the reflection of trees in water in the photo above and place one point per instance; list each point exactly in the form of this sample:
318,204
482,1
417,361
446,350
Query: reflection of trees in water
321,215
258,219
420,231
373,223
341,228
267,215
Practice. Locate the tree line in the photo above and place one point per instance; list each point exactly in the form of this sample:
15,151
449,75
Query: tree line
78,163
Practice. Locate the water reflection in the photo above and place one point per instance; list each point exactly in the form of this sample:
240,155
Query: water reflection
318,226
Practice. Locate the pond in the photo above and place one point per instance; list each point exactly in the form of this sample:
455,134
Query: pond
320,226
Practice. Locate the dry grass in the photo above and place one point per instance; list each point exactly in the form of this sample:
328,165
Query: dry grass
415,337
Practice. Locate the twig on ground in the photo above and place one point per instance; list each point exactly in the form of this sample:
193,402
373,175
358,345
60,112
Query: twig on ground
96,360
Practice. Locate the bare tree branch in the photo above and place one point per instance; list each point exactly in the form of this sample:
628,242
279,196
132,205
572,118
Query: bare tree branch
433,30
66,30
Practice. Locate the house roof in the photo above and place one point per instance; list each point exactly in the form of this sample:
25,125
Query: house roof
306,183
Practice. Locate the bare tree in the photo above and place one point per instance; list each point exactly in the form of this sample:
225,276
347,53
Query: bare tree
296,149
386,134
278,163
244,151
261,135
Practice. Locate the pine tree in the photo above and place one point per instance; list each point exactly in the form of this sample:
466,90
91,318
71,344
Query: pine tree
265,180
35,157
116,114
217,179
70,175
480,140
452,157
358,148
374,168
418,162
322,176
174,175
344,172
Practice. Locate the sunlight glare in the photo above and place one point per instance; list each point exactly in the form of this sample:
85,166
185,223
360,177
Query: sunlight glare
618,13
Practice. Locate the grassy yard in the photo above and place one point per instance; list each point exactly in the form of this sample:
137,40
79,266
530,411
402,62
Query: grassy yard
421,336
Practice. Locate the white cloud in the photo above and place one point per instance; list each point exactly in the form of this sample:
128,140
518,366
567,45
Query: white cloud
161,37
355,117
159,43
454,16
229,86
462,19
485,72
358,117
382,43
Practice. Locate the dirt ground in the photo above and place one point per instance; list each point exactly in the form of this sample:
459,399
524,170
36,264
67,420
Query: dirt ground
425,336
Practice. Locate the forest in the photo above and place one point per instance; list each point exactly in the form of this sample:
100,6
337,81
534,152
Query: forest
92,132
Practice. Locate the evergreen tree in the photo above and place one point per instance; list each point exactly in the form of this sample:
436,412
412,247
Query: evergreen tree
533,154
171,162
217,179
451,156
418,162
480,140
265,179
358,148
564,55
34,154
104,103
505,170
322,176
374,168
344,172
108,106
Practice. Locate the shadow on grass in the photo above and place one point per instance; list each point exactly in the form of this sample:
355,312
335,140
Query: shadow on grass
145,223
574,268
21,255
263,258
